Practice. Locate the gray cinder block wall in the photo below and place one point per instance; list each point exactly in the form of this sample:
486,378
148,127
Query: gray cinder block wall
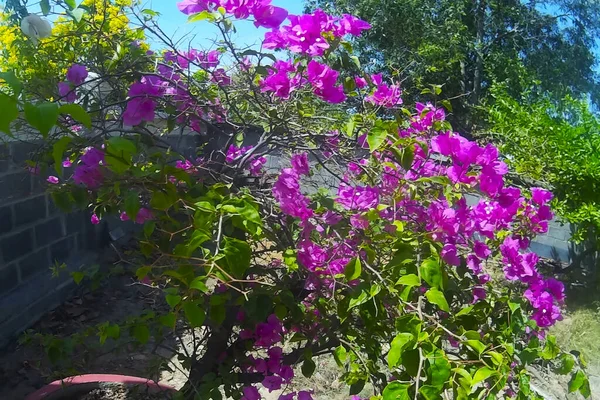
34,235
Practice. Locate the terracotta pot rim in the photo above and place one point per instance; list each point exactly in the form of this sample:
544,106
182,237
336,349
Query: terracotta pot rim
87,379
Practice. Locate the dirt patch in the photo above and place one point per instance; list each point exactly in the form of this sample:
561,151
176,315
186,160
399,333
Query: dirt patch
122,392
25,368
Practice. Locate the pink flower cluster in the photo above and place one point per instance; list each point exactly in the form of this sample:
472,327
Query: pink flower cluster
287,189
88,171
323,80
142,100
282,80
255,164
384,95
304,34
276,373
465,232
265,14
76,75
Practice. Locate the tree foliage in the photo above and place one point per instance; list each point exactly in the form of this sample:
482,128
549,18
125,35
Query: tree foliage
468,45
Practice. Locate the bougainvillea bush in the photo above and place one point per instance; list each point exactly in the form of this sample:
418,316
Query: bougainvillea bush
410,267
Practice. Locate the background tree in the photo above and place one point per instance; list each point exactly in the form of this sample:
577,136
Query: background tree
467,45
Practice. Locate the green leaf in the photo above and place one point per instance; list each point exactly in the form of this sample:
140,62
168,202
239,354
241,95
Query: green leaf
71,4
119,154
431,272
198,284
11,80
585,388
194,314
398,345
42,116
465,311
58,151
436,297
567,362
9,113
408,156
340,354
497,358
357,387
409,280
551,350
132,204
78,113
141,333
476,345
430,392
45,6
77,276
160,201
142,272
201,16
173,300
217,313
439,367
353,269
376,136
396,391
482,374
577,380
236,258
308,367
76,14
169,320
350,126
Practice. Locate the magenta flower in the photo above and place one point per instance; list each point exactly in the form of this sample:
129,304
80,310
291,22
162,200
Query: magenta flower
481,249
142,103
234,153
67,163
193,6
95,220
359,222
251,393
449,254
478,294
289,396
88,172
256,166
361,82
349,24
77,74
124,217
143,215
268,16
305,395
300,164
286,373
540,196
323,80
272,383
384,95
359,198
52,179
66,92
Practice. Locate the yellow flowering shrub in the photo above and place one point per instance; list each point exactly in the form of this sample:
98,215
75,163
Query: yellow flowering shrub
102,36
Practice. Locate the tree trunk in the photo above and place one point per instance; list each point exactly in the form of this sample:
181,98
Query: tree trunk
478,73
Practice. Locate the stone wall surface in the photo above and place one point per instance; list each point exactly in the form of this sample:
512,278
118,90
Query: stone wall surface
34,235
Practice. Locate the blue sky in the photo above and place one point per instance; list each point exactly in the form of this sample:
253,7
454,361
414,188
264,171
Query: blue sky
203,34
